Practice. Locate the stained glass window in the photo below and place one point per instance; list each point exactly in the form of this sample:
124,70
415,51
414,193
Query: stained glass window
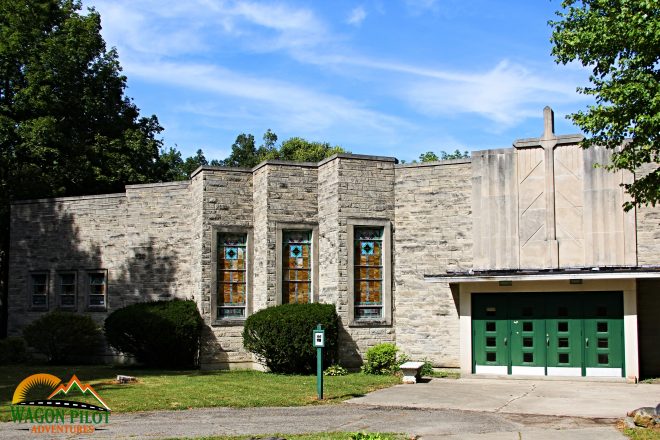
97,290
39,290
232,263
297,269
368,272
67,290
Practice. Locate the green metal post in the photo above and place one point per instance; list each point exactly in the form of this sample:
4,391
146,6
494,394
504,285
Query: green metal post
319,372
319,368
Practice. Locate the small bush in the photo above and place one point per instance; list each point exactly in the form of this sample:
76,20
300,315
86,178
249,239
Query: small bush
13,350
281,336
159,334
64,336
335,370
427,369
382,359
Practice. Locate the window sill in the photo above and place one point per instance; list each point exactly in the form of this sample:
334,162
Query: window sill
97,309
229,322
370,323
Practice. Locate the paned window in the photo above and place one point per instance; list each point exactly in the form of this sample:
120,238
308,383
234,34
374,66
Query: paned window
67,290
368,272
97,292
297,266
39,291
232,273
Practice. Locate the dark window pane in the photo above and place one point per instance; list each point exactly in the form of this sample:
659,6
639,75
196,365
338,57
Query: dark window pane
528,357
368,312
562,326
490,326
562,342
97,301
603,358
39,300
491,356
603,343
67,300
563,358
528,326
528,342
490,342
601,327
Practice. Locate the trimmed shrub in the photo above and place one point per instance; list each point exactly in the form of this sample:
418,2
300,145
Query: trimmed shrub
13,350
64,337
381,359
281,336
159,334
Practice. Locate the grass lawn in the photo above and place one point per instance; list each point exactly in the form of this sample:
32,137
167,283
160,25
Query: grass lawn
159,389
641,434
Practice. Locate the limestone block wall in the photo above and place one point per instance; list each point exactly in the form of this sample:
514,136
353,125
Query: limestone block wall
432,235
365,190
648,231
226,202
291,200
141,238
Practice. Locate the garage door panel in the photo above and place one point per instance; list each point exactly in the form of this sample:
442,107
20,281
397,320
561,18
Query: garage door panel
553,333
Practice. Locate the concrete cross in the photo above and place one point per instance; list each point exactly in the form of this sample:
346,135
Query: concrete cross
548,142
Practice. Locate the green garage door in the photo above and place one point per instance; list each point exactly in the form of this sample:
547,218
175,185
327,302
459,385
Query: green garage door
558,334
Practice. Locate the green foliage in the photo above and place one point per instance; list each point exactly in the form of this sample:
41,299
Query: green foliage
618,40
430,156
457,154
335,370
13,350
427,369
64,336
382,359
159,334
369,436
281,336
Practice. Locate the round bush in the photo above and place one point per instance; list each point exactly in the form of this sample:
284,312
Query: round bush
64,336
381,359
159,334
281,336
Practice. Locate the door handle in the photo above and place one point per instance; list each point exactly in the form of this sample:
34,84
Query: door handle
586,341
505,341
547,342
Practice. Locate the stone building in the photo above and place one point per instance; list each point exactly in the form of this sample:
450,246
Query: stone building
516,261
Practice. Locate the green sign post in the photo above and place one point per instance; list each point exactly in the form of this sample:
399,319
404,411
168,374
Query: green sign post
318,339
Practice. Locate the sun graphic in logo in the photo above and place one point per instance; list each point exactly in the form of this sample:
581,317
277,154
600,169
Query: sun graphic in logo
31,383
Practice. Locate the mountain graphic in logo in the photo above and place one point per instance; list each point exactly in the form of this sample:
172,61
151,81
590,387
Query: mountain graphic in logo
74,383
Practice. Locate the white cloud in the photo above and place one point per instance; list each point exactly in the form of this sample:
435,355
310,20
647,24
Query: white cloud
295,107
357,16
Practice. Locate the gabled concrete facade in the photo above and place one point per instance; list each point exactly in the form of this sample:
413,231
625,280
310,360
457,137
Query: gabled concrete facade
519,221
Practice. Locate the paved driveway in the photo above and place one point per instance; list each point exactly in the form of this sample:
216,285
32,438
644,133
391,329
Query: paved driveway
547,397
473,409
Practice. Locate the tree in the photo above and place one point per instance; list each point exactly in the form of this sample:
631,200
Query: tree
619,40
429,156
300,150
244,152
66,127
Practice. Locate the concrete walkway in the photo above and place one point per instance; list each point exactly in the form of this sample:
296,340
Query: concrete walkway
473,409
520,396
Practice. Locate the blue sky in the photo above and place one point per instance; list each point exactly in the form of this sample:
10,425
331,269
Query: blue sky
394,78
